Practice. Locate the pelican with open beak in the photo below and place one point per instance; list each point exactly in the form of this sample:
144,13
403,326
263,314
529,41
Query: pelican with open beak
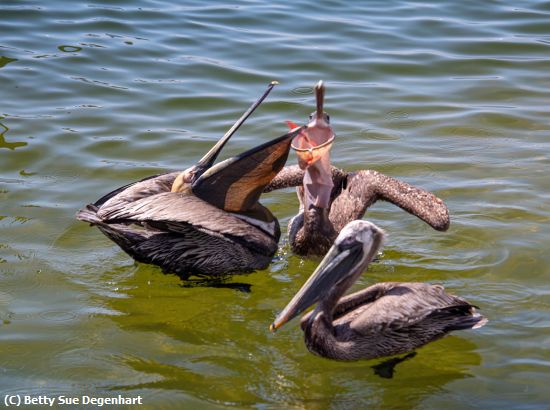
330,197
206,220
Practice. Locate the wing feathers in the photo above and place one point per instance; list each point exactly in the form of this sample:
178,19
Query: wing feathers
174,212
401,305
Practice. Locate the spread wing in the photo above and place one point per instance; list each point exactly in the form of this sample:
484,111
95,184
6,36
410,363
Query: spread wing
355,192
363,188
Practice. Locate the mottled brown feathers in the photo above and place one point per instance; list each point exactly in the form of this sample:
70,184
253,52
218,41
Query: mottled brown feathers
386,319
352,195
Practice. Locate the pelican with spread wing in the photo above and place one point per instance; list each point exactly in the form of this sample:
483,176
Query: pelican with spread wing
330,198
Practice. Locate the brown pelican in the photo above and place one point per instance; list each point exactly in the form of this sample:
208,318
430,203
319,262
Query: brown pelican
205,220
330,197
384,319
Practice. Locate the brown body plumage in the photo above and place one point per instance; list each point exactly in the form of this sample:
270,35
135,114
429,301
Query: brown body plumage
382,320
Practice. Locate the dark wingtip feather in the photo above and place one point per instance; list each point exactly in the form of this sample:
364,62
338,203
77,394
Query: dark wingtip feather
460,317
442,225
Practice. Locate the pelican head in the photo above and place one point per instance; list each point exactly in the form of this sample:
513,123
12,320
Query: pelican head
315,141
312,146
352,251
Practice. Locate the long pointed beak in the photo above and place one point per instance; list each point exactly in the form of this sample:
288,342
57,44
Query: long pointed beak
320,98
351,253
235,185
208,159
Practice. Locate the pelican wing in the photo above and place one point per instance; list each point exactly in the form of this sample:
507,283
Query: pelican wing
293,176
366,187
176,212
127,194
392,306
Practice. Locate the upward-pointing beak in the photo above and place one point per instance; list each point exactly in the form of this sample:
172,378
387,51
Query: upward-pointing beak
316,141
313,150
235,185
208,159
190,175
319,98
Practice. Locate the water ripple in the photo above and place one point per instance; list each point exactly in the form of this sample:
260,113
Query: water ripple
303,90
103,83
58,316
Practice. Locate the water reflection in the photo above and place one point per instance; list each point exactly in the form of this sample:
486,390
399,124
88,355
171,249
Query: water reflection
213,344
386,369
69,49
6,60
6,144
429,372
216,283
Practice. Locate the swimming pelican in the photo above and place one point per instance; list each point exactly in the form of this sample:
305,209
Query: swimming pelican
384,319
205,220
330,197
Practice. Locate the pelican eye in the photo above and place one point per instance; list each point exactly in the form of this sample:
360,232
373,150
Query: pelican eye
347,243
325,115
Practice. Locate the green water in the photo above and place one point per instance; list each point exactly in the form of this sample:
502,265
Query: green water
450,96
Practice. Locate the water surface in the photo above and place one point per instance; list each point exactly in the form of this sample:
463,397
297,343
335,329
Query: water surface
450,96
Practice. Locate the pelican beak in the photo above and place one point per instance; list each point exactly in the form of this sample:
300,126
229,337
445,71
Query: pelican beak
208,159
192,174
334,266
351,253
319,99
235,185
